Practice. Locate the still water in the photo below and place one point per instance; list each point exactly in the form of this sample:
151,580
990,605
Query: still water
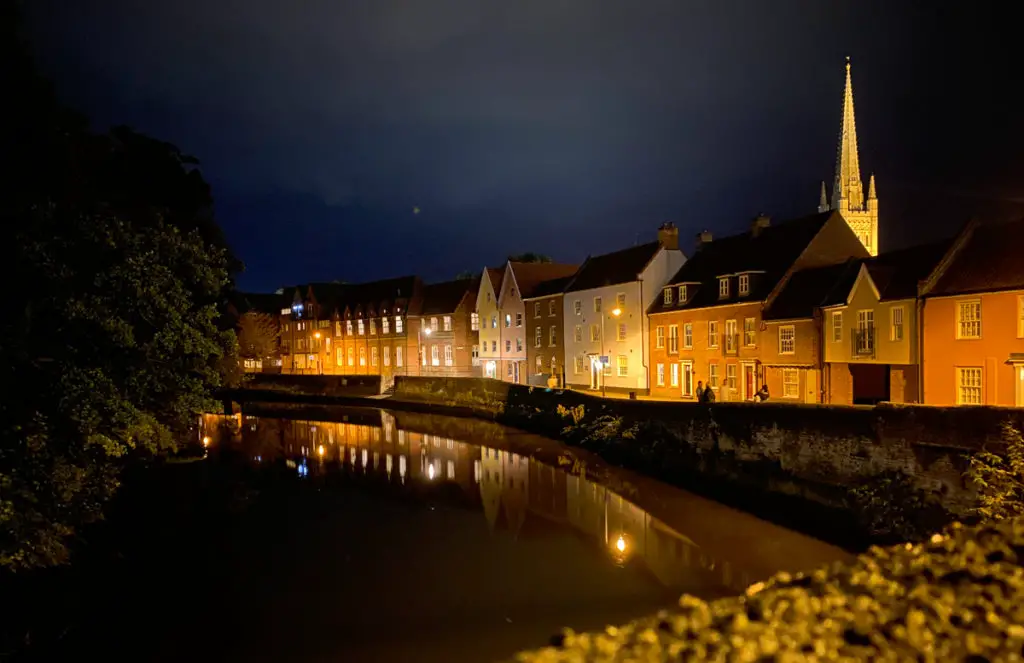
442,539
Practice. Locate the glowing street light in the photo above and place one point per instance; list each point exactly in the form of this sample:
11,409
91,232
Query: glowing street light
206,440
320,450
620,544
616,312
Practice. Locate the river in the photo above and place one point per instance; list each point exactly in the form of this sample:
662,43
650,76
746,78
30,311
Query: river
441,539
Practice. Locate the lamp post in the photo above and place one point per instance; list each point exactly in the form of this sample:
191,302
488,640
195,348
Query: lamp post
319,362
420,331
615,312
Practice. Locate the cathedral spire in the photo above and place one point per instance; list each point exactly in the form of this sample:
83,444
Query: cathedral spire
823,205
848,186
871,188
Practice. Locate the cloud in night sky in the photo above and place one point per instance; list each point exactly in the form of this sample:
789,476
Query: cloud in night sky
562,126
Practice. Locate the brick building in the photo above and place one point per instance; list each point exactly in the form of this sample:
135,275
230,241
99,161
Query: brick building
709,324
447,329
545,351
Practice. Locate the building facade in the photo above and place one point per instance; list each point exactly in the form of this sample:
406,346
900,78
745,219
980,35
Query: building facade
972,312
848,196
545,348
604,311
447,327
487,312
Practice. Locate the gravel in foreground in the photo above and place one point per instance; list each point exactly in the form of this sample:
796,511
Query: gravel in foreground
958,597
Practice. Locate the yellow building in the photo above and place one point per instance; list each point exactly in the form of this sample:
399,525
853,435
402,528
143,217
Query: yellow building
847,188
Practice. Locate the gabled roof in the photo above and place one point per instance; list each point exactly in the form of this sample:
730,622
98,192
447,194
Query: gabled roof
768,253
985,258
259,302
613,268
809,289
896,274
529,275
374,295
496,274
443,298
550,287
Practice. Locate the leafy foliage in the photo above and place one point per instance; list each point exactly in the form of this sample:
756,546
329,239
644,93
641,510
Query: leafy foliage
257,335
529,257
891,507
999,479
111,338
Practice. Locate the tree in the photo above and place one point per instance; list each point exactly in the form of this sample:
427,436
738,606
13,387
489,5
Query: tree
529,257
999,478
109,343
466,275
258,334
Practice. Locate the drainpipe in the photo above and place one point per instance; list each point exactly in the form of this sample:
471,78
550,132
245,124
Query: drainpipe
919,351
643,338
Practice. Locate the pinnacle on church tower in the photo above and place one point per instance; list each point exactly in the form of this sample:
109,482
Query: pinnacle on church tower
823,205
847,189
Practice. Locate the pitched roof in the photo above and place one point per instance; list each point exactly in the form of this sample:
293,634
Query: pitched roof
989,260
446,297
496,274
613,268
260,302
769,253
896,274
808,289
373,295
529,275
550,287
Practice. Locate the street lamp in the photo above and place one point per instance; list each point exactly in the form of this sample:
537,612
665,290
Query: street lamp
319,361
615,312
419,338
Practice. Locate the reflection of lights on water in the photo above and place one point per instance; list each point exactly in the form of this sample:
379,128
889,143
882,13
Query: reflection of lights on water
389,463
620,545
430,471
303,470
366,457
450,469
259,459
401,466
320,450
289,463
206,440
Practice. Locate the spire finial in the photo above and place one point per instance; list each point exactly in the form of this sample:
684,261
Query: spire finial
847,184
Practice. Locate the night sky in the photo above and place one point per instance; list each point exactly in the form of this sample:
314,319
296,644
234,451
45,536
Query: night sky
566,127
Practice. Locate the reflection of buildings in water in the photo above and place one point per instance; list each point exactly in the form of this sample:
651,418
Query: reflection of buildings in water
509,486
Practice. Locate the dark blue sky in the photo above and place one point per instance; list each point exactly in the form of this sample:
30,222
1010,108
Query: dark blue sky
562,126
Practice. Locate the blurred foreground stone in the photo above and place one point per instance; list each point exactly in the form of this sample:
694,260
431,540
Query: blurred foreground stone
958,597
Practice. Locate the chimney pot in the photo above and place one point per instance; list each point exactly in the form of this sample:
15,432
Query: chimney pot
760,222
668,236
703,237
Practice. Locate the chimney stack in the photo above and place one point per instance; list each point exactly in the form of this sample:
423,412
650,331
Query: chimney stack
668,236
703,237
760,222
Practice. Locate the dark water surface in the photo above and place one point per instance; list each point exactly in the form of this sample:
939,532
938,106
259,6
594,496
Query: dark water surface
387,536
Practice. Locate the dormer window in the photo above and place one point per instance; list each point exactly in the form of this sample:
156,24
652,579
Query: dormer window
744,284
723,287
668,296
682,294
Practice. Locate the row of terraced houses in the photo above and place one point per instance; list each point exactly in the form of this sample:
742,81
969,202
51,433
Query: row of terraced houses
807,307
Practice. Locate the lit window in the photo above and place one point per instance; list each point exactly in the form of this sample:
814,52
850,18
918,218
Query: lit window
837,327
449,358
744,284
540,364
896,320
398,356
620,301
673,338
398,324
969,386
595,333
668,297
536,312
494,321
749,332
373,356
579,365
554,364
787,340
712,333
433,324
731,337
519,319
447,323
674,373
337,327
508,369
508,320
713,375
865,332
621,332
385,325
552,336
577,334
339,356
508,345
968,319
474,321
494,346
362,329
577,307
351,357
730,376
362,356
661,375
682,294
348,327
723,287
551,307
373,326
659,337
790,383
688,336
622,363
537,337
597,304
519,344
387,356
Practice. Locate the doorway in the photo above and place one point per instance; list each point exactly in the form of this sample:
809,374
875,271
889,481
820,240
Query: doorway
749,376
515,372
870,383
1020,384
595,373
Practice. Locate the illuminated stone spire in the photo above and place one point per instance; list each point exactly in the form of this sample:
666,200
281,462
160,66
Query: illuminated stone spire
823,205
847,185
871,190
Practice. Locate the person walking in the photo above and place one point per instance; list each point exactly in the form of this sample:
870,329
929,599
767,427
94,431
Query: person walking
700,391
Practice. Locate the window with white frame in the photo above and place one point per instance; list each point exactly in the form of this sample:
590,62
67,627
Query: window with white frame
712,333
508,320
597,304
536,312
687,371
362,356
337,327
968,382
744,284
373,356
723,287
577,307
749,332
398,324
674,375
790,383
554,364
865,331
622,363
660,373
385,325
577,334
373,327
713,375
968,319
731,337
620,301
351,356
620,333
896,323
348,327
688,336
474,321
682,294
667,297
837,326
519,344
508,345
537,337
494,346
580,364
519,319
508,369
608,368
659,337
551,308
433,324
339,356
387,355
730,376
540,364
446,321
673,338
787,340
449,357
398,356
552,336
1020,316
362,327
494,321
595,332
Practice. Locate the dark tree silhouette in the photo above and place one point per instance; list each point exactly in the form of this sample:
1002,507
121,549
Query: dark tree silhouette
529,257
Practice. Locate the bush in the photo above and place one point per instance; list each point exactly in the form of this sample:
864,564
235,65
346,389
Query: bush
999,479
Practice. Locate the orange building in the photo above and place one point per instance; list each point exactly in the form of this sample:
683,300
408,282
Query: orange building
972,312
709,324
